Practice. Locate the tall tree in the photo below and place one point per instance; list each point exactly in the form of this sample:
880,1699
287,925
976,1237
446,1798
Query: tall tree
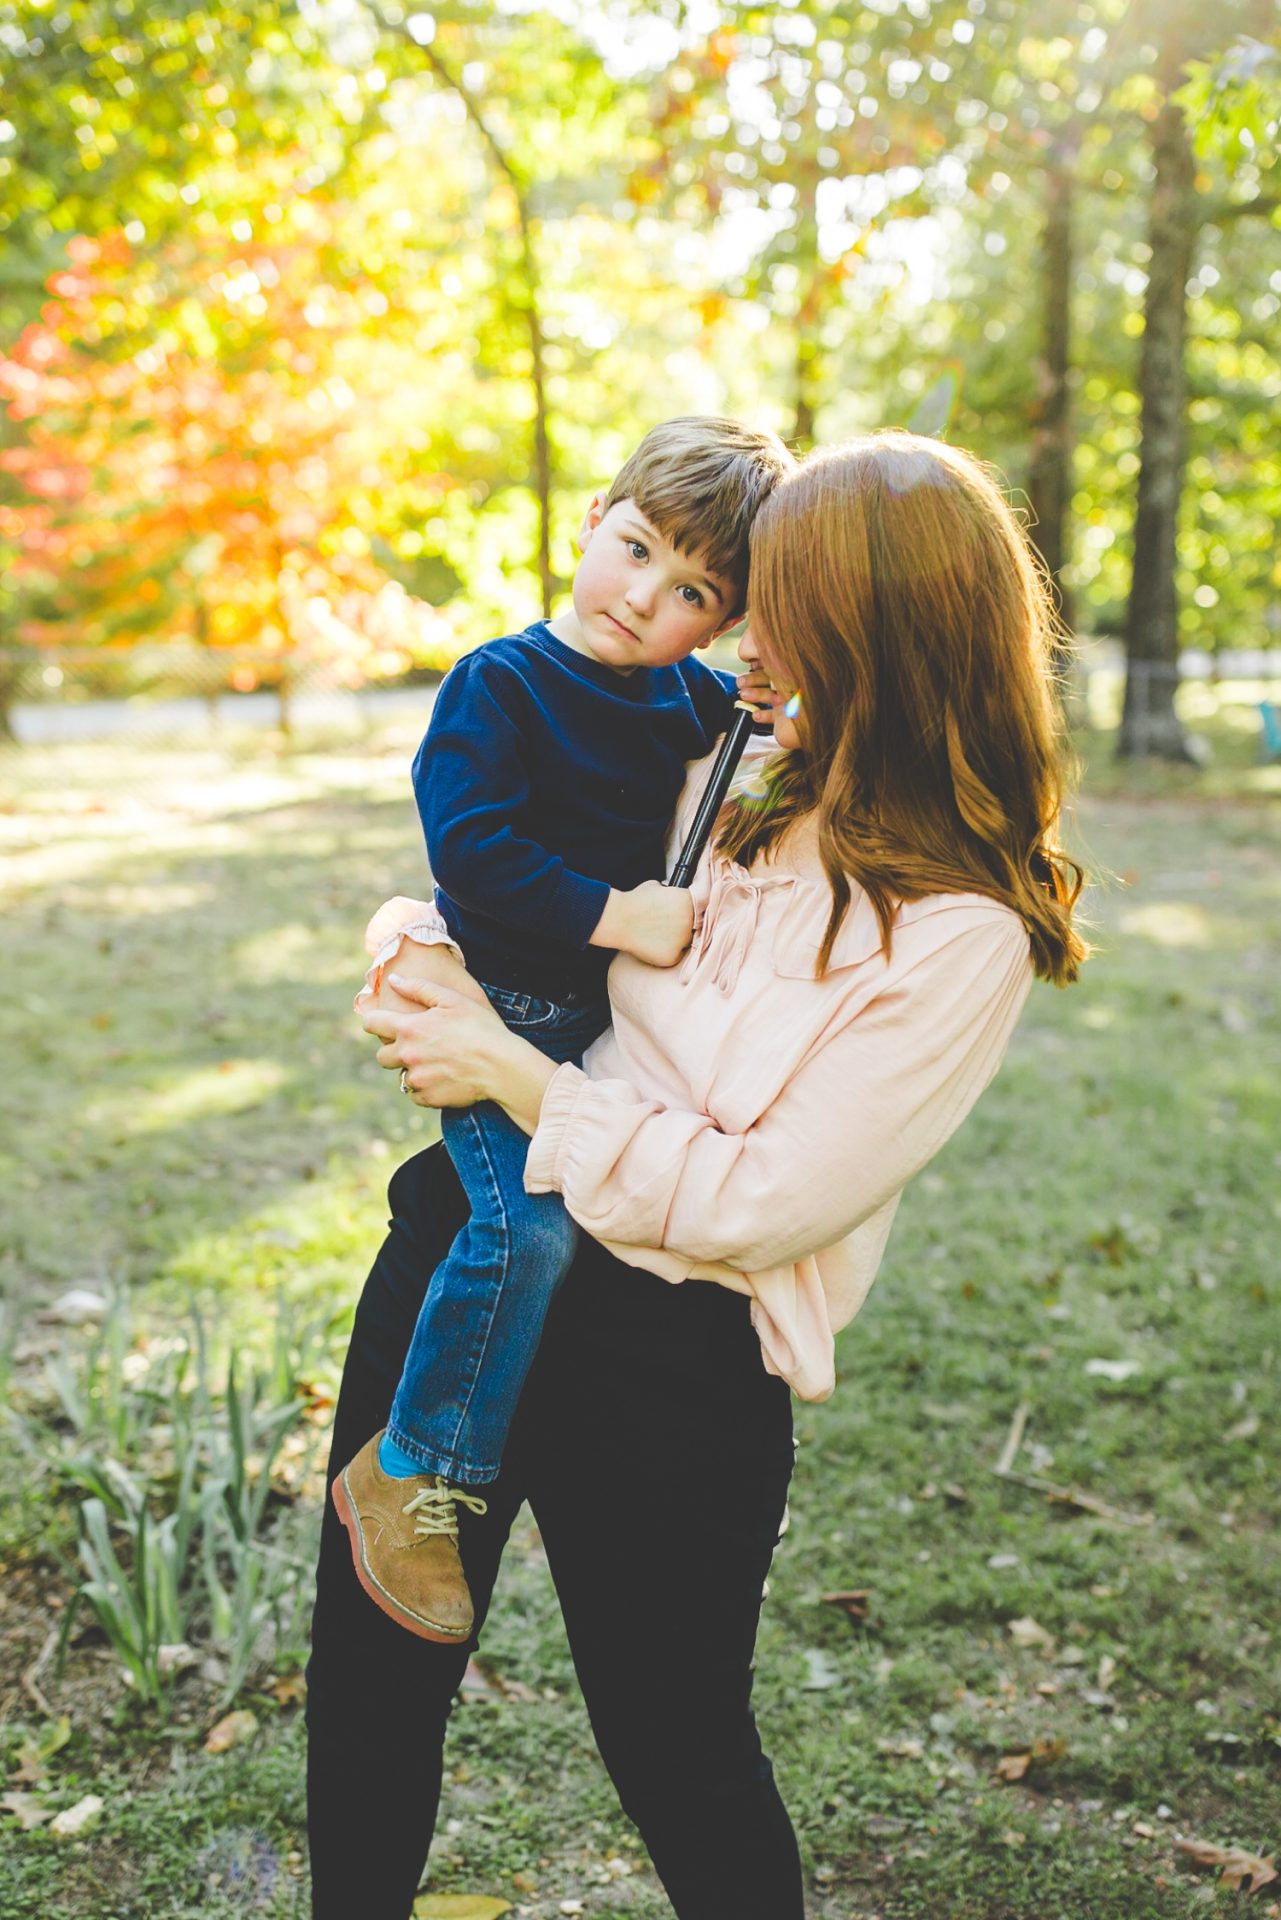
542,105
810,127
218,476
1179,209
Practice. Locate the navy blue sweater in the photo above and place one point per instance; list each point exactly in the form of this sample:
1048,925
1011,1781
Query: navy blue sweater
545,779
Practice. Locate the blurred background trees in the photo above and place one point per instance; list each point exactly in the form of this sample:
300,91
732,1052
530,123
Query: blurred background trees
319,321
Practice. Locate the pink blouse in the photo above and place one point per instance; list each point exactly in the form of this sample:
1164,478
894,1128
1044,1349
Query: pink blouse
745,1123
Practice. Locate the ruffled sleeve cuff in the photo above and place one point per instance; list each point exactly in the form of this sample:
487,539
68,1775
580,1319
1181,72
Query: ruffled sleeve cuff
545,1161
402,919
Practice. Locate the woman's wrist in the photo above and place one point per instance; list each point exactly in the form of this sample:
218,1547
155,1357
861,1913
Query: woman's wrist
519,1076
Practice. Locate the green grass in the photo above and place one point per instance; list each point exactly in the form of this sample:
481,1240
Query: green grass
189,1110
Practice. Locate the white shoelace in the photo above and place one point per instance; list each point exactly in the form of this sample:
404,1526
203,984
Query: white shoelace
433,1508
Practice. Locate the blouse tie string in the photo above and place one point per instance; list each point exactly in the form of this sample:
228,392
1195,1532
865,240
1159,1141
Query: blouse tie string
730,919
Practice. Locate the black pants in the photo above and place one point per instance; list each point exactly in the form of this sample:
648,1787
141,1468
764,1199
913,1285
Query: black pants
655,1453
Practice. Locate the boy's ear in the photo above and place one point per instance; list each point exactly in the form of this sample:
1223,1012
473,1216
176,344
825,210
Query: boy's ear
592,518
727,625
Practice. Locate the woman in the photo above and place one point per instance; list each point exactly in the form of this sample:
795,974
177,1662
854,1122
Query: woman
866,928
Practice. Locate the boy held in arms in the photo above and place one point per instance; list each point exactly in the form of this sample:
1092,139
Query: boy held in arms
546,783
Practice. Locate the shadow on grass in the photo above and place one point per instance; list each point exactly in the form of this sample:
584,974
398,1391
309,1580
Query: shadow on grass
194,1106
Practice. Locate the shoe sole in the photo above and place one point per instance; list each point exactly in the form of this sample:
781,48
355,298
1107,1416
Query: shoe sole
423,1629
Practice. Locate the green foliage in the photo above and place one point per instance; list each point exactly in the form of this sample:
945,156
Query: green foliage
181,1536
785,211
1233,103
1112,1197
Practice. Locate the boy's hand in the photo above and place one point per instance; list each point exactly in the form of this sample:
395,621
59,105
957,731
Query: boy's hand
438,966
653,922
754,687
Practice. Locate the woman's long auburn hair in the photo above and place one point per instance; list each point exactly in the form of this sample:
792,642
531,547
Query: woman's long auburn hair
892,582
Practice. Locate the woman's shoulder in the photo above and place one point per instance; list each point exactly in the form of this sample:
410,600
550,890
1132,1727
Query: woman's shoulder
939,924
949,912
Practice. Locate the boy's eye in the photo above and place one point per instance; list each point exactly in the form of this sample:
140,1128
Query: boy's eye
695,597
638,550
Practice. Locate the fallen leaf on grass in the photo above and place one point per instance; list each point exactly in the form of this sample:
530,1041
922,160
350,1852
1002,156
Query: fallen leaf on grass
39,1748
1042,1753
854,1604
231,1730
1029,1633
27,1809
74,1307
76,1820
176,1657
483,1682
316,1398
1113,1369
289,1689
1238,1864
459,1906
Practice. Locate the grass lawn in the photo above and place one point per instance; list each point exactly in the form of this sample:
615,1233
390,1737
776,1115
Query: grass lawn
191,1115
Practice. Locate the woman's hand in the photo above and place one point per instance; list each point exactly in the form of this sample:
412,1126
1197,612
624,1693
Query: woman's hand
453,1052
757,689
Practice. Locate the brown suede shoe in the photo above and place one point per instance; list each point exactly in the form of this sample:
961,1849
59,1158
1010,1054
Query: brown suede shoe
404,1542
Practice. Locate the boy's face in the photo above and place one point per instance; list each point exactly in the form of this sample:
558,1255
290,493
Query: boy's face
638,600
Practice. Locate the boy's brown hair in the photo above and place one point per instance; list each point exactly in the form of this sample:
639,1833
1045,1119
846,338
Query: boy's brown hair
700,480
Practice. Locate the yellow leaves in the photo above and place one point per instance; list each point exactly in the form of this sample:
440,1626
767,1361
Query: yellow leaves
289,1689
38,1748
231,1730
224,622
1042,1754
459,1906
722,48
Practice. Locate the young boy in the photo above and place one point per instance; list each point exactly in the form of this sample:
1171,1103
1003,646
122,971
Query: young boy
546,783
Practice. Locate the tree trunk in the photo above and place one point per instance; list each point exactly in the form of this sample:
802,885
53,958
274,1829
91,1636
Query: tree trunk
285,701
810,311
1049,482
1149,724
803,419
532,304
542,439
10,686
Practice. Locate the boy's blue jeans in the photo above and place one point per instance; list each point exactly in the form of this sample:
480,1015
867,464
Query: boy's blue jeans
483,1314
